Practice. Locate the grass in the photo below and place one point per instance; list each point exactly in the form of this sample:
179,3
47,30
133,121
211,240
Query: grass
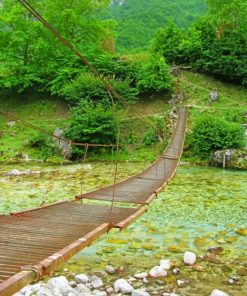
48,113
43,111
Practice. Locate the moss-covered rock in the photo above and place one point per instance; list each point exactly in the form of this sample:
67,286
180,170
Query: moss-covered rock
229,158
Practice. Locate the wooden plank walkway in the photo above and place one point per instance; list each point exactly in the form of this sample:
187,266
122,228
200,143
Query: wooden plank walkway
33,243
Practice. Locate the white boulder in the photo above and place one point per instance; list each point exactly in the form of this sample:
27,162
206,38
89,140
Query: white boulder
81,278
122,286
82,288
166,264
157,271
96,282
218,293
189,258
44,291
59,284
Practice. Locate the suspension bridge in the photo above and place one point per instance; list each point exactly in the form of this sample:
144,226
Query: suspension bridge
33,243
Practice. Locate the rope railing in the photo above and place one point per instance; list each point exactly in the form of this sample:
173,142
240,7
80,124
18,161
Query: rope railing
45,132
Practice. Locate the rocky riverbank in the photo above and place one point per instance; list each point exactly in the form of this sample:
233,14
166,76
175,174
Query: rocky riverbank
169,278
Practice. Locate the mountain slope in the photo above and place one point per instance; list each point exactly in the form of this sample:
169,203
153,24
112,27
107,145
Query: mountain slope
139,19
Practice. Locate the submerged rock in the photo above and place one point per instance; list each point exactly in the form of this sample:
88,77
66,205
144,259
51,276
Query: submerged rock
218,293
142,275
189,258
166,264
110,269
22,173
157,271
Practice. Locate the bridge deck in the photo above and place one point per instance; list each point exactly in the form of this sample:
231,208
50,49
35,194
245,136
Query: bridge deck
35,242
140,188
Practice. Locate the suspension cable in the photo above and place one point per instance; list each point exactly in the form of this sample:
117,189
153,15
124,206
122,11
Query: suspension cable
116,159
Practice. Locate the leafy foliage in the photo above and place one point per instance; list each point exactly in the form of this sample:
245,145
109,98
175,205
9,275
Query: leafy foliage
152,74
45,144
138,20
156,134
92,123
211,133
86,86
217,44
30,55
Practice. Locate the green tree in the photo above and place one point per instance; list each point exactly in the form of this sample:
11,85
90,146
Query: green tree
211,133
92,123
30,54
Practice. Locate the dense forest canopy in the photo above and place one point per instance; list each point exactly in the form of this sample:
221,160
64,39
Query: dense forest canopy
215,44
138,20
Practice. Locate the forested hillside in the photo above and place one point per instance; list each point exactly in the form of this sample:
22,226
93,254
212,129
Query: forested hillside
139,19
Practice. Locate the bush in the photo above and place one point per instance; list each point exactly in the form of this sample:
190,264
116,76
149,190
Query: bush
155,134
92,123
236,115
87,87
211,133
152,73
45,144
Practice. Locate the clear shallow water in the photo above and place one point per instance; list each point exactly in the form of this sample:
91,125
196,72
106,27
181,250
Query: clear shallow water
202,207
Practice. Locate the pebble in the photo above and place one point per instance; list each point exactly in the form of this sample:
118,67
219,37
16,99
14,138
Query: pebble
231,282
96,282
215,250
59,284
176,271
82,278
145,281
109,290
110,269
99,293
189,258
72,284
141,275
82,288
139,293
122,286
182,283
157,271
218,293
166,264
242,271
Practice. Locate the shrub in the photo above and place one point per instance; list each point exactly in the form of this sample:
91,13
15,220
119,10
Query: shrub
45,144
92,123
87,87
152,73
211,133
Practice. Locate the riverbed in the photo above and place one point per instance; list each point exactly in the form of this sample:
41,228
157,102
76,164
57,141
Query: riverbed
201,208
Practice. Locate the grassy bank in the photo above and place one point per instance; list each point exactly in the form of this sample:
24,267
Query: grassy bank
48,113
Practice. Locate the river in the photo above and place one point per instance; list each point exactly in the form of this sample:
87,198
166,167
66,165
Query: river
201,208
